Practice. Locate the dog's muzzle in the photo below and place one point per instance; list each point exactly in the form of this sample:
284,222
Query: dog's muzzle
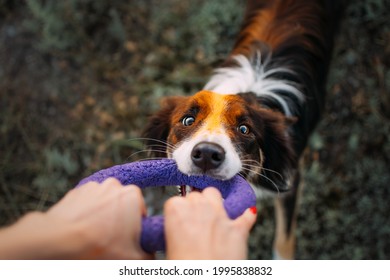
207,156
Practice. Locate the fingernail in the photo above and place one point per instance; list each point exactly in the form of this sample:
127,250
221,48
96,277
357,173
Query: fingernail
253,209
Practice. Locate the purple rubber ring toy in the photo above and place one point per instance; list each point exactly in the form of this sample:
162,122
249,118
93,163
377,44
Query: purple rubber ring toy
237,193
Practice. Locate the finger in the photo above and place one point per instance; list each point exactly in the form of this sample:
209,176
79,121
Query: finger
85,187
135,209
247,219
213,193
88,185
136,191
176,212
214,196
175,205
112,182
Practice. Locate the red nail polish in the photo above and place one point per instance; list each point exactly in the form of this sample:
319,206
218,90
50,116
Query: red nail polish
253,209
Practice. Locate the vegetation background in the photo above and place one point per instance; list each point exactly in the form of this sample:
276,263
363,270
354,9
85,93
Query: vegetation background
78,79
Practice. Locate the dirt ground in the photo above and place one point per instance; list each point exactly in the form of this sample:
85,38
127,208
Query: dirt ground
79,78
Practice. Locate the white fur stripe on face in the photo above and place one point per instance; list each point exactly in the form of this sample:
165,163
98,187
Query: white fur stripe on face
252,76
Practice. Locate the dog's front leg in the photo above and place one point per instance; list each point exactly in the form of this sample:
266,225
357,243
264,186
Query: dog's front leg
286,208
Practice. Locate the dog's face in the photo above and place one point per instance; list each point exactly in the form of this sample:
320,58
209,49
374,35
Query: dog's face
221,136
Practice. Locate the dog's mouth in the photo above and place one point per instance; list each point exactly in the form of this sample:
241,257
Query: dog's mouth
184,190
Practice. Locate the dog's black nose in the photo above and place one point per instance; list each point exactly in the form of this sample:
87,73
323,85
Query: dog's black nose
207,155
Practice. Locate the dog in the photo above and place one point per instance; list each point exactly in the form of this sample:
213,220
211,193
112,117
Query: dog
255,114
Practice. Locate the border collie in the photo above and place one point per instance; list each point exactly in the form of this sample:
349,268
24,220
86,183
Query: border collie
256,112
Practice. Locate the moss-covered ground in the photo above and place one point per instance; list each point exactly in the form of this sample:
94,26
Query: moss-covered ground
79,78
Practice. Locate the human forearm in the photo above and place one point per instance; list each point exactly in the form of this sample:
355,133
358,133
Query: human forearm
38,236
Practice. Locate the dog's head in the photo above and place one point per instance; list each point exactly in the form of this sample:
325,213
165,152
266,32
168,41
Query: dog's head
221,136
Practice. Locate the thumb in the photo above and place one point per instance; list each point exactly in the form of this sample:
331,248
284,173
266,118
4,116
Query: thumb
247,219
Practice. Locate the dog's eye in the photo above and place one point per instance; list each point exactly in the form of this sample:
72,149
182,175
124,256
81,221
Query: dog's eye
187,121
243,129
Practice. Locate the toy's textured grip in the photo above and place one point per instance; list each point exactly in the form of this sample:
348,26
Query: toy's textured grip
237,193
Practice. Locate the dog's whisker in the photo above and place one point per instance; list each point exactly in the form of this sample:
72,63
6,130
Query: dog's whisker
152,158
247,162
155,147
262,175
165,143
159,147
273,171
250,160
147,152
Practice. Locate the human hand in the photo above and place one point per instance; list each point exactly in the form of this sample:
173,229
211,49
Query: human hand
197,227
107,219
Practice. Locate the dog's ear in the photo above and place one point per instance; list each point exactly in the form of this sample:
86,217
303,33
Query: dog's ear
159,124
277,147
